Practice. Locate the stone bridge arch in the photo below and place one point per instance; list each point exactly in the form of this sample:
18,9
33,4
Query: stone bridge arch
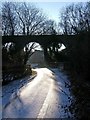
43,40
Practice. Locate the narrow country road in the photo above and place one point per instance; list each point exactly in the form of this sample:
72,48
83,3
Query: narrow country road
44,97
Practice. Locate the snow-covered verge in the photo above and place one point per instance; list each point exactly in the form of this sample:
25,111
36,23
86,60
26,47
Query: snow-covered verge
11,90
64,93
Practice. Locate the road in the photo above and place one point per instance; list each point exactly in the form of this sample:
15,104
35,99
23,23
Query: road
46,96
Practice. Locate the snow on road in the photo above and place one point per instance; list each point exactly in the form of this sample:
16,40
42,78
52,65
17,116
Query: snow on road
46,96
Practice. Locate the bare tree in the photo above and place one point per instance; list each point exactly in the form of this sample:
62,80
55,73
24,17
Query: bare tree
8,19
75,18
49,27
87,16
0,24
25,19
30,19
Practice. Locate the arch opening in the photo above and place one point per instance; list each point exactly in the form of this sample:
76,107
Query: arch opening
54,50
34,54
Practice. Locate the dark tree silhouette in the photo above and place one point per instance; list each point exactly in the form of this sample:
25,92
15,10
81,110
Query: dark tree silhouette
22,19
75,19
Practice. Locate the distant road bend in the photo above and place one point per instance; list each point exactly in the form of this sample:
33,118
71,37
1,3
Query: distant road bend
43,97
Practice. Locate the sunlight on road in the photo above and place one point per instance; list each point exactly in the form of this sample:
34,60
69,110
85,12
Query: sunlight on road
40,98
31,84
39,78
47,100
